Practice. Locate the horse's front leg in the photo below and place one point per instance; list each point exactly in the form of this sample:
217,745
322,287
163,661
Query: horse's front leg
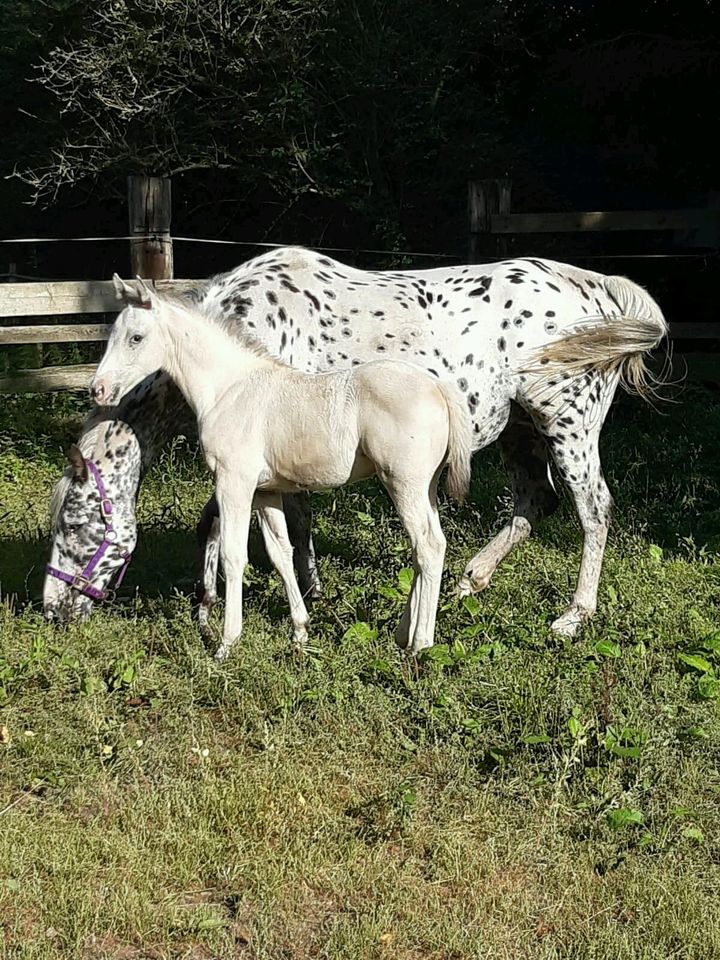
208,539
235,497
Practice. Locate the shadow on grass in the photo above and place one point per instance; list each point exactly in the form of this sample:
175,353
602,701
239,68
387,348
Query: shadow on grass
663,469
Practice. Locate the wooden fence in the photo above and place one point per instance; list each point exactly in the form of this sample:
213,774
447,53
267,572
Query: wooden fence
491,224
57,300
151,256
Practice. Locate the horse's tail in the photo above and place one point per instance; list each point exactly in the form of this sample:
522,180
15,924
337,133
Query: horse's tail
460,449
617,344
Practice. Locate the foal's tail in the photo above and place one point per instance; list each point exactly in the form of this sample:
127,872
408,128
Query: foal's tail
616,344
460,450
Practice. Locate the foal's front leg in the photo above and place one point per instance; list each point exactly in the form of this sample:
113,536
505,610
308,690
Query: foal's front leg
235,497
298,517
277,543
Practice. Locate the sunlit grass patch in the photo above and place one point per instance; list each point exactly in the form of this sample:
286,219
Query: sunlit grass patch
513,795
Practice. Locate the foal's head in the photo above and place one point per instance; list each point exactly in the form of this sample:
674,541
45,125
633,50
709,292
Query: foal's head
136,346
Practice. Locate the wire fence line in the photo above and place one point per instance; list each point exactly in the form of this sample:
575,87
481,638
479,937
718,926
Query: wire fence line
416,254
234,243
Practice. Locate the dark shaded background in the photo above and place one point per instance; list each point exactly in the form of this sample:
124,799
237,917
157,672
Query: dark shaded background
595,105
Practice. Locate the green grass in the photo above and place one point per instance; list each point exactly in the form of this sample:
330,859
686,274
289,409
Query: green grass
515,796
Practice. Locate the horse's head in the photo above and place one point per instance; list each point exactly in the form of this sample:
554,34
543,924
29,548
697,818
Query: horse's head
135,347
94,526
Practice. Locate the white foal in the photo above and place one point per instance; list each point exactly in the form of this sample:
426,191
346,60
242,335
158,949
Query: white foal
268,429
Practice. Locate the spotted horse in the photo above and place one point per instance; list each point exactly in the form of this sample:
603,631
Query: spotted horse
537,347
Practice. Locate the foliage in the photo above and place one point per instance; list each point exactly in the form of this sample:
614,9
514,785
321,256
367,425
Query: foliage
368,103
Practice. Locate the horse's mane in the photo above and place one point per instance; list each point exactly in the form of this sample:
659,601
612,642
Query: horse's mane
89,437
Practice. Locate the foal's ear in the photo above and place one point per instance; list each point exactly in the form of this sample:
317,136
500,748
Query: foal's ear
77,462
132,296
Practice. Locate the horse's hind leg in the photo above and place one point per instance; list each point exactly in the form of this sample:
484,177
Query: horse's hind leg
208,538
417,506
594,505
298,516
277,543
572,420
525,455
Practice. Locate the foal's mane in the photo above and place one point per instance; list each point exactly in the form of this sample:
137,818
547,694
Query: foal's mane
228,326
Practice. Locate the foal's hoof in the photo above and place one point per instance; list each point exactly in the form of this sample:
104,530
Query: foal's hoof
221,654
299,641
570,622
470,584
417,649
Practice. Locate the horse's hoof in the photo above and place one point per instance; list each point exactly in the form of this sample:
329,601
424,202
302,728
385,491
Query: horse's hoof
465,587
476,578
469,585
204,624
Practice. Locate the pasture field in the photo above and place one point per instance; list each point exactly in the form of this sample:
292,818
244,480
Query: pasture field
514,796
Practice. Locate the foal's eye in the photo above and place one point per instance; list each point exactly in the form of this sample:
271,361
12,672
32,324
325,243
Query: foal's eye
135,339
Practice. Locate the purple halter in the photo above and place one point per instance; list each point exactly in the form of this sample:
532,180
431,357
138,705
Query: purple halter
81,581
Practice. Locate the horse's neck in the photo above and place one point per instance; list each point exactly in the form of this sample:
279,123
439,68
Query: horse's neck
203,361
162,414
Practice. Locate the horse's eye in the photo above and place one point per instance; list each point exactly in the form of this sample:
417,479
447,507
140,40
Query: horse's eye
135,339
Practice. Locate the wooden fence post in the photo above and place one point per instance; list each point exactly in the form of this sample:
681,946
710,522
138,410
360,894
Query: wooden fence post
485,198
149,211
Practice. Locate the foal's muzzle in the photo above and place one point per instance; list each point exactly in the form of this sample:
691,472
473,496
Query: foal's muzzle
99,391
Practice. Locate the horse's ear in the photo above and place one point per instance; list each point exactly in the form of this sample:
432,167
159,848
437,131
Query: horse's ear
132,296
77,462
147,293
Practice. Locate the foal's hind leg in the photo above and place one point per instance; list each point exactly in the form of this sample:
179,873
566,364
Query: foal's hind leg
525,455
417,506
298,516
277,543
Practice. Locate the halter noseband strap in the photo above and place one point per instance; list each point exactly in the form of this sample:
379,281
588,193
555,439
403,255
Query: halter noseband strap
81,581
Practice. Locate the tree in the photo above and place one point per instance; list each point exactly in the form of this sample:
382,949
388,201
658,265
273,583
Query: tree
163,86
378,104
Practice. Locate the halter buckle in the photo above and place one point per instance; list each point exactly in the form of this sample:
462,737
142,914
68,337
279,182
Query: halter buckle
79,582
106,507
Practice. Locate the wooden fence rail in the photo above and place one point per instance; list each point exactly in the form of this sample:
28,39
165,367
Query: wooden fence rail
601,221
72,296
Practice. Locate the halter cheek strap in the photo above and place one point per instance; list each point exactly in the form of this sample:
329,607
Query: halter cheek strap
82,581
